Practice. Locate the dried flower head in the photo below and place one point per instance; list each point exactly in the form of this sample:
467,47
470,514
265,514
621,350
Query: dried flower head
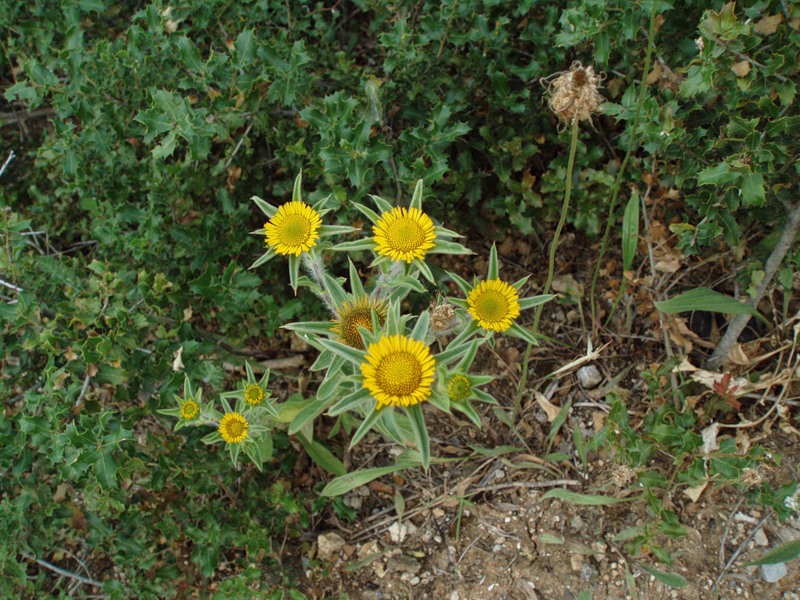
573,94
444,319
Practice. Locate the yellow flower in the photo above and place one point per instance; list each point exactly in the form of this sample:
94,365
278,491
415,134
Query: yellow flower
398,371
404,234
293,229
494,304
459,387
189,409
353,315
253,394
233,428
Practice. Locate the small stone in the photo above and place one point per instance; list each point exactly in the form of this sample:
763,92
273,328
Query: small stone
589,377
773,573
455,596
403,564
329,544
588,571
353,501
760,538
577,523
415,580
368,549
399,531
576,562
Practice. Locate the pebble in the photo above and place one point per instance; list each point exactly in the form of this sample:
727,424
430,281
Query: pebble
403,564
577,523
588,571
773,573
760,538
329,544
589,377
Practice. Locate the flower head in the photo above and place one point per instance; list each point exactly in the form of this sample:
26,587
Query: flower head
459,387
233,428
573,93
294,229
189,409
494,304
254,394
355,314
404,234
398,371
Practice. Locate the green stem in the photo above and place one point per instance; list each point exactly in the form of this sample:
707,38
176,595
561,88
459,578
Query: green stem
573,146
618,181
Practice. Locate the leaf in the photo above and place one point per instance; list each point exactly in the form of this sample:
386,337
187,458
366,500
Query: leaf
673,580
752,185
718,175
707,299
106,469
586,499
768,25
245,48
417,422
781,554
322,456
630,231
345,483
741,68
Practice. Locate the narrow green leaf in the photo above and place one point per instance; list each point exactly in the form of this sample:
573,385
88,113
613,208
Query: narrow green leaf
494,269
345,483
354,246
586,499
526,303
366,426
673,580
353,355
297,188
349,401
310,412
417,420
416,199
707,299
783,553
322,456
630,231
245,46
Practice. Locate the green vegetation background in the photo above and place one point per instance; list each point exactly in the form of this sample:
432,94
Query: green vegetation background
142,129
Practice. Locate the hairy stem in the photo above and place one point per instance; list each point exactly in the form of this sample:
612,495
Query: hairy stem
573,146
620,174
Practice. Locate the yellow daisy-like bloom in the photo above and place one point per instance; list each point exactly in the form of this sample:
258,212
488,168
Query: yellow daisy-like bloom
459,388
494,304
293,229
398,371
353,315
189,409
233,428
404,234
253,394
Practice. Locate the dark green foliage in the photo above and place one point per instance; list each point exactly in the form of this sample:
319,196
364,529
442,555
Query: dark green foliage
142,130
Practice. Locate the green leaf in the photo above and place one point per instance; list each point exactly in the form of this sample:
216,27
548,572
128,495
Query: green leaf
494,270
345,483
106,469
781,554
720,174
314,409
673,580
707,299
586,499
245,47
190,55
353,355
630,231
322,456
416,199
752,186
417,420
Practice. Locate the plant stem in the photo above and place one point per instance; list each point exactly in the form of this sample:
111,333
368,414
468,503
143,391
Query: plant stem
618,180
573,146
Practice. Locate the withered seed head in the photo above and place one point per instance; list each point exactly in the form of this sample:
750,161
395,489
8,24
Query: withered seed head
444,320
573,94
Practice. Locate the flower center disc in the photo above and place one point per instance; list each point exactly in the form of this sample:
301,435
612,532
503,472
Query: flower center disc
235,428
405,235
491,305
399,374
253,394
350,325
295,230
